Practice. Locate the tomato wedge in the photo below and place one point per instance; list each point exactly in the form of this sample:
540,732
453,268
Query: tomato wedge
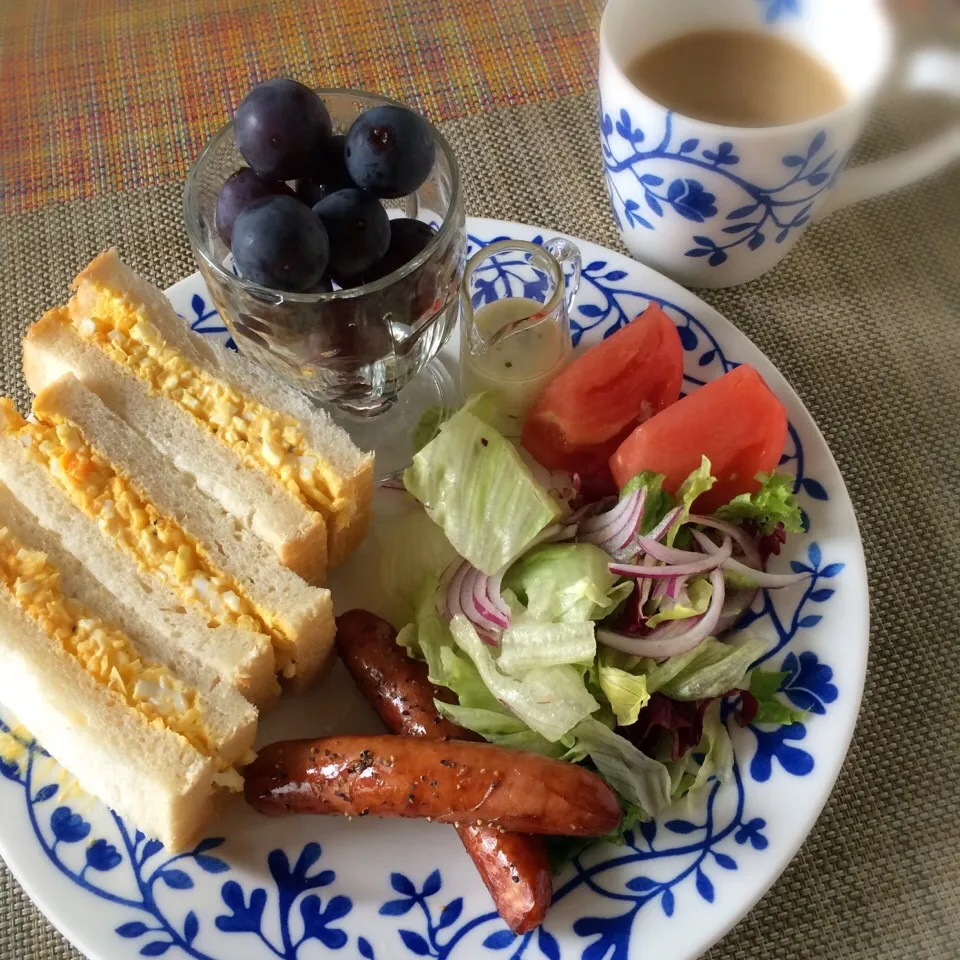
735,421
591,406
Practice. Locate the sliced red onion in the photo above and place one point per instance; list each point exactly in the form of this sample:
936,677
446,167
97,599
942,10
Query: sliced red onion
668,589
636,517
453,605
618,641
659,590
494,595
467,583
660,530
595,537
759,578
740,537
482,608
621,543
668,554
628,549
625,554
466,590
590,510
612,516
443,587
466,594
472,600
482,602
675,637
617,526
703,564
646,585
673,586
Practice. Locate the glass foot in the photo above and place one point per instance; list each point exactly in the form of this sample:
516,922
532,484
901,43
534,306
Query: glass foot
390,435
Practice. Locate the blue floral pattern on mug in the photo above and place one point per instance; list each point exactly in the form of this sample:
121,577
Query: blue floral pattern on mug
776,10
763,213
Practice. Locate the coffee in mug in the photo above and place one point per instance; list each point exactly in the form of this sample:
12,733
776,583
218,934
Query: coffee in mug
740,78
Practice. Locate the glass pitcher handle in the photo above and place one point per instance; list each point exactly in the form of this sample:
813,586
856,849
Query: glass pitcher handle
567,254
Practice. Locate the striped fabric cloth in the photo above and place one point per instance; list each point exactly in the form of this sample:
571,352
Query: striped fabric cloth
106,95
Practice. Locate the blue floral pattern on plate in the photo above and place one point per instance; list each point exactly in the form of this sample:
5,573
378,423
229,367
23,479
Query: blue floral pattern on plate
764,212
298,908
207,321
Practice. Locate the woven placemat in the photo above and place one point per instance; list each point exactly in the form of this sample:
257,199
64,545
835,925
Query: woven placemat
864,320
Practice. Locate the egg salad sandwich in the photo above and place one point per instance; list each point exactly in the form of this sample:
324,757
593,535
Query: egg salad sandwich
271,459
113,697
153,539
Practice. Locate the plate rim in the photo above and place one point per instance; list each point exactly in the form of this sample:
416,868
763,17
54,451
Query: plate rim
57,909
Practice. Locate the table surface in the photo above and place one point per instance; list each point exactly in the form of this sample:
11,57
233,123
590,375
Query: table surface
106,102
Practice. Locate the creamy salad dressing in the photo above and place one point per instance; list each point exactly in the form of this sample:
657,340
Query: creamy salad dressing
519,366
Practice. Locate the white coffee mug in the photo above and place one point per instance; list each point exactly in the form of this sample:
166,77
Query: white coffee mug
714,206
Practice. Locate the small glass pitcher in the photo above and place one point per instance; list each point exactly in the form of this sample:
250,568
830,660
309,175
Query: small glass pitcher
515,303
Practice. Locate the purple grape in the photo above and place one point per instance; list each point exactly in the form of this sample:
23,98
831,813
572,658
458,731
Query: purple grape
407,239
237,193
359,232
280,243
390,151
330,163
328,173
280,124
310,191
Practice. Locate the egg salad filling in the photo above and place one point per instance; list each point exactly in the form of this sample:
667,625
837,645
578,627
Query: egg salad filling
158,543
158,697
263,438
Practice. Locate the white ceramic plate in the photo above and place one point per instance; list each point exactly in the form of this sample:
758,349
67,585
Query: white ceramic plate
310,888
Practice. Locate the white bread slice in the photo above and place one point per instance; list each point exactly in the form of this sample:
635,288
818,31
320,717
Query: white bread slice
154,777
243,659
304,613
298,535
231,721
284,521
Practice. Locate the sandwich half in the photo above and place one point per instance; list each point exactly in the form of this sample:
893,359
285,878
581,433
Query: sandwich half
102,520
147,509
271,458
139,722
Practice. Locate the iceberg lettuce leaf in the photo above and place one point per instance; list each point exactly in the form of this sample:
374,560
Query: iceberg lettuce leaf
566,582
474,486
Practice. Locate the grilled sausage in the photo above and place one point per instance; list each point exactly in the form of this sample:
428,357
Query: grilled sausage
513,866
393,683
450,781
515,869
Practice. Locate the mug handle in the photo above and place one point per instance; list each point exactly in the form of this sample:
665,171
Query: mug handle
930,69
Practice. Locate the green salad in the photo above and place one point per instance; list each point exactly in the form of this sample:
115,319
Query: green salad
601,633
